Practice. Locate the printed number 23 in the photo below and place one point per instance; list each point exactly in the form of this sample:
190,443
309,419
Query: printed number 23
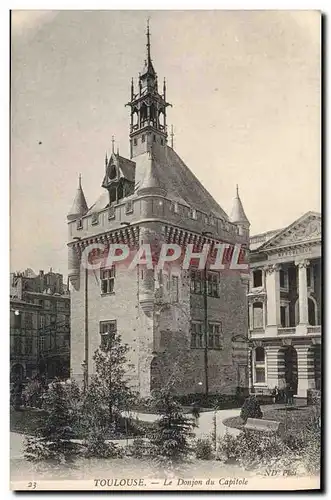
32,485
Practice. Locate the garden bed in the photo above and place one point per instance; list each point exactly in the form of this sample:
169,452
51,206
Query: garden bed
28,420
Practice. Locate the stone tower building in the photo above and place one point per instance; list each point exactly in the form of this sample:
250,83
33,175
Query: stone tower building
185,327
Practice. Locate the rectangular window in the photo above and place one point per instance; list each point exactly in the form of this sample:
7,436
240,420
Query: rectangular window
17,344
28,320
174,289
135,142
283,316
259,375
106,329
42,321
95,219
41,343
143,138
257,278
79,224
283,279
213,284
212,220
214,335
28,345
197,335
107,277
129,207
308,271
197,282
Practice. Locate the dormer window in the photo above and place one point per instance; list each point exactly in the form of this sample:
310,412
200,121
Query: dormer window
112,172
193,214
95,219
212,220
174,207
79,224
129,207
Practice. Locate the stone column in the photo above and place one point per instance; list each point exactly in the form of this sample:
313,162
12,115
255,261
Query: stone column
273,299
306,378
303,295
251,312
273,368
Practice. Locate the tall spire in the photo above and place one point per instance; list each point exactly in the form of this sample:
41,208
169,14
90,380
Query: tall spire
238,213
148,45
148,67
79,206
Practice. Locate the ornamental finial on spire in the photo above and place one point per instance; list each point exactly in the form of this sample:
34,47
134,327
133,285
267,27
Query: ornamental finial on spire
148,45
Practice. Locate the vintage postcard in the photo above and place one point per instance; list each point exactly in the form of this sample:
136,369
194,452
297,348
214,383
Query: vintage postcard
165,287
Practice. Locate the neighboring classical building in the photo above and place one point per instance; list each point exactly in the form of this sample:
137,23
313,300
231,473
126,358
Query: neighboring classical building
153,197
39,325
285,306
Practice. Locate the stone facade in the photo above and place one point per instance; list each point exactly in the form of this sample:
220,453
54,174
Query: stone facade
153,198
39,325
285,305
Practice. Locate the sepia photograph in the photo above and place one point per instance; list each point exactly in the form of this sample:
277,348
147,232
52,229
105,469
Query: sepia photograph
165,250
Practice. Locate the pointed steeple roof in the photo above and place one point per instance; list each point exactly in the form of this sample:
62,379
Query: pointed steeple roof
148,66
79,206
238,213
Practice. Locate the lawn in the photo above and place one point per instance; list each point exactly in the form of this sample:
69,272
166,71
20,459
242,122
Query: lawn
294,418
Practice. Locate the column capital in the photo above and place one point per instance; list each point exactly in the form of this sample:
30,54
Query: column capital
302,263
271,268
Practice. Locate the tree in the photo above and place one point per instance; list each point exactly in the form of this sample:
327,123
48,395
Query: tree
173,429
250,409
53,439
106,397
109,384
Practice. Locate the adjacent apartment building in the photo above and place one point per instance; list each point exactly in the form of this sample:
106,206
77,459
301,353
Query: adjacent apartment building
285,305
185,328
39,325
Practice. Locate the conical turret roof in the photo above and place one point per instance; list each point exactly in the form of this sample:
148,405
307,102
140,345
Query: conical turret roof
79,206
238,212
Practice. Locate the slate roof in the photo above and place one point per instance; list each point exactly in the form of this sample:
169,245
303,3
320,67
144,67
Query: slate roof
162,171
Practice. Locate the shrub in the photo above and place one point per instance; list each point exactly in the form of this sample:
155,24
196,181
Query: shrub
170,441
294,442
229,446
140,448
311,455
250,409
53,438
97,447
253,450
203,449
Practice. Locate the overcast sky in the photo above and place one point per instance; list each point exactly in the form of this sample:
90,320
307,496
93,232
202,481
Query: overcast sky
245,89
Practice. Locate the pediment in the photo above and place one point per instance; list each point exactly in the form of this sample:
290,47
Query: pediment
304,230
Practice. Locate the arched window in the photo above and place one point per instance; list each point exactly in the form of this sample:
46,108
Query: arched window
259,368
